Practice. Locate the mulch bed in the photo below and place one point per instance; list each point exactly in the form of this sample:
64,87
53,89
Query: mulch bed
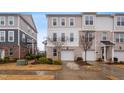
115,63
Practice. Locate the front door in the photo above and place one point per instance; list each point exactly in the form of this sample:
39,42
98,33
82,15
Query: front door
102,51
1,53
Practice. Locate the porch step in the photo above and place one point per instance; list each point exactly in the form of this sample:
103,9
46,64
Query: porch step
27,77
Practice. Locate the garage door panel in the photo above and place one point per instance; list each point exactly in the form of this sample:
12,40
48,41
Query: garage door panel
90,55
67,56
119,55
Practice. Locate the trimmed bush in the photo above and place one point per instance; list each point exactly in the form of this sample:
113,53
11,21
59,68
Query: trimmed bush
50,61
21,62
6,59
55,62
99,60
43,60
79,59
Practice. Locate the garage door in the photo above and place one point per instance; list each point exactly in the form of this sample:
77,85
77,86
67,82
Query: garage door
119,55
67,56
90,55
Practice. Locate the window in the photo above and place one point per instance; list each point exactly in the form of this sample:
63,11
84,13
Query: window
63,37
2,21
71,37
54,37
119,37
2,36
55,20
120,21
10,51
122,37
88,20
104,36
54,52
10,20
29,29
63,21
11,36
23,38
88,36
71,22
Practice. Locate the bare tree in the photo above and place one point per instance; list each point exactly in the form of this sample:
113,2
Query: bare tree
58,44
86,40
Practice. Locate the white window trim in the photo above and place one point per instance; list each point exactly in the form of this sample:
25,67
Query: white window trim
120,21
61,21
9,20
103,35
9,36
89,24
23,37
4,36
4,21
56,21
118,37
73,20
72,37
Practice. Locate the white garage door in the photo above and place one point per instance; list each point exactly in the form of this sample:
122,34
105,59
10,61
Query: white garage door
67,56
119,55
90,55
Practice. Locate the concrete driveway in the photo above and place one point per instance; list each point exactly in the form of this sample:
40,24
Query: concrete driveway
98,71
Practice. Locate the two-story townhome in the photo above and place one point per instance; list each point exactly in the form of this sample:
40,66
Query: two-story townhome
107,30
18,35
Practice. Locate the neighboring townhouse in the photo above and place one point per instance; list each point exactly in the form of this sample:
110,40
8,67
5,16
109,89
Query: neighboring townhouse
18,35
108,30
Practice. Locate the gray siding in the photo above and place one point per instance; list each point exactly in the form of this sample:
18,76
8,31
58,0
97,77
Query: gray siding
6,35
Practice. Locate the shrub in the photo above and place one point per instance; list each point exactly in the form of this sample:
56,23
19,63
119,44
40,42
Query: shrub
115,60
99,60
55,62
6,59
79,59
30,56
43,60
13,59
1,61
50,61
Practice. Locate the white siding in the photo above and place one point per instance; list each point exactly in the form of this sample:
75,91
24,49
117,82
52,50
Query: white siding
104,23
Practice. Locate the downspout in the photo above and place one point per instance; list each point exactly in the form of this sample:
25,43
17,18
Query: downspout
19,34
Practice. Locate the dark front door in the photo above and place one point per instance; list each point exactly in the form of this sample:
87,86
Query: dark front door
102,51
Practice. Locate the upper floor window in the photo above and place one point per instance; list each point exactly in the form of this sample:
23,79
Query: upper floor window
119,37
63,22
23,38
2,21
29,29
88,36
120,21
54,37
104,35
54,21
10,20
11,36
2,36
88,20
71,37
71,21
63,37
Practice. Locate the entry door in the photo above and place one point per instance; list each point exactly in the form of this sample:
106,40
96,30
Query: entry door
0,53
102,50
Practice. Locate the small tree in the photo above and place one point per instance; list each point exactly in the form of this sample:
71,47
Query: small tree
58,44
86,40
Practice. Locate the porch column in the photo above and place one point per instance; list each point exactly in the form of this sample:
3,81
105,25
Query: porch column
104,53
112,53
